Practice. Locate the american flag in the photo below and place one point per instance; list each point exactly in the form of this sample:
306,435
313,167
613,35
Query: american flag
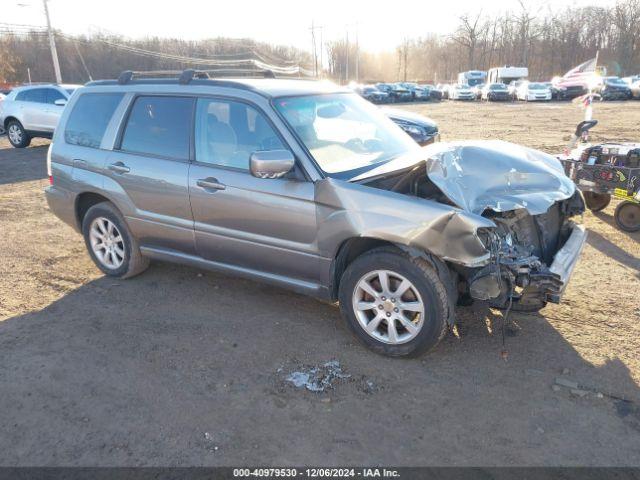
583,74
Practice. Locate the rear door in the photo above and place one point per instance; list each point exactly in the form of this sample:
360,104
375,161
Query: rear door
266,225
150,169
33,107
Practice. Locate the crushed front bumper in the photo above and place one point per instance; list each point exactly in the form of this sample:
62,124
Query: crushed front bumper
564,262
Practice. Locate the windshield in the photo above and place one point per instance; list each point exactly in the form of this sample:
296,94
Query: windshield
344,132
537,86
498,86
615,81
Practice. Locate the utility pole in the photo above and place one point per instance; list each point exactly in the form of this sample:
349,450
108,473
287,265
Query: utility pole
346,77
321,49
357,57
314,48
52,44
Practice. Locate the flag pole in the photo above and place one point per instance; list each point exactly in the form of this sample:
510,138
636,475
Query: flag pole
588,111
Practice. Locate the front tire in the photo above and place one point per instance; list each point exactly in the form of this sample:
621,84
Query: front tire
110,243
395,304
18,136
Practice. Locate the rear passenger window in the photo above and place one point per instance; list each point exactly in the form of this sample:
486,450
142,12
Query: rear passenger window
89,119
159,126
36,95
227,133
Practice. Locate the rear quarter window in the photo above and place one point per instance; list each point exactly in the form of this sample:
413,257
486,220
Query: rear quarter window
89,118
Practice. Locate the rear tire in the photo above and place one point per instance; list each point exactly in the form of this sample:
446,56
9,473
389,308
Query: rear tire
627,216
407,317
596,201
110,243
18,136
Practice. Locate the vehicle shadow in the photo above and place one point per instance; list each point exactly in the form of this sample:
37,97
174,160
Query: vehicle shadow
608,219
22,164
606,246
177,367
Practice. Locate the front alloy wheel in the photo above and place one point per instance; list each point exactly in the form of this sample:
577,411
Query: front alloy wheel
395,303
388,307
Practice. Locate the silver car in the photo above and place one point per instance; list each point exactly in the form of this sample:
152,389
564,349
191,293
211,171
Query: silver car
33,111
306,185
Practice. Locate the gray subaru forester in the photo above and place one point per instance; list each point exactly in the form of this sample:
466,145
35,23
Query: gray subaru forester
305,185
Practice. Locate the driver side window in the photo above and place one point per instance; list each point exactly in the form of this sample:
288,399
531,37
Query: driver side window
227,133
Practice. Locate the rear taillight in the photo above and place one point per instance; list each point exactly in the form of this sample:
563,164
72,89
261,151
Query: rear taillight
49,172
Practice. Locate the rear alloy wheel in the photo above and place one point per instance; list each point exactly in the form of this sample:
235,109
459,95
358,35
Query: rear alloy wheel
110,243
18,137
596,201
627,216
107,243
396,304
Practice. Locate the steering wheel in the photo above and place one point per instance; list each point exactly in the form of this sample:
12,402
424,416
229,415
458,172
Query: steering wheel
355,144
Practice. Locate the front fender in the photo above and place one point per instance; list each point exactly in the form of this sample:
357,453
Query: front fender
346,210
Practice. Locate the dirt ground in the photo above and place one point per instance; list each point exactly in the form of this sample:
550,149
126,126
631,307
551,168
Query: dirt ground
183,367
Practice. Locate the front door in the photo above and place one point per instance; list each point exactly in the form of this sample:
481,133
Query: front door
264,225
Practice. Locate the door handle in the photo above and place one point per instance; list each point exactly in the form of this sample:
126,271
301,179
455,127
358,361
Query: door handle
119,167
210,183
78,163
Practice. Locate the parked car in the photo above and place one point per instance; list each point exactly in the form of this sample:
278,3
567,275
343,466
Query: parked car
308,186
613,88
566,92
422,129
494,92
443,88
401,93
434,92
396,92
533,91
513,87
477,90
33,111
461,92
635,89
372,94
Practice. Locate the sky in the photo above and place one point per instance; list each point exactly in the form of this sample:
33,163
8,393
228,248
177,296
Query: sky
379,25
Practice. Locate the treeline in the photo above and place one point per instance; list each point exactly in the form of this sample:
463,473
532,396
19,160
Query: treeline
549,43
106,56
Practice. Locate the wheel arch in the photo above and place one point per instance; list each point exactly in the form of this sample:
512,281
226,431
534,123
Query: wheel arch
84,201
8,119
354,247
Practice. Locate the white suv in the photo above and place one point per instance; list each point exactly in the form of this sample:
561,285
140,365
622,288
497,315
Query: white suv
33,111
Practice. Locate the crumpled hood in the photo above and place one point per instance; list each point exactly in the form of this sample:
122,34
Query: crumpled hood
497,175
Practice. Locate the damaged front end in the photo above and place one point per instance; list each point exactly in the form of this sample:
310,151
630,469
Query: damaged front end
531,256
535,243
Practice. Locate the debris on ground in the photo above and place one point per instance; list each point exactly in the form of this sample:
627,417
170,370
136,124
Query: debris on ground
318,378
566,382
578,392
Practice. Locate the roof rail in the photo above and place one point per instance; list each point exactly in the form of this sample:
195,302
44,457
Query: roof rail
185,76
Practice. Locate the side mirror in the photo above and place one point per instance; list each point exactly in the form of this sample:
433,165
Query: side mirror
271,163
61,102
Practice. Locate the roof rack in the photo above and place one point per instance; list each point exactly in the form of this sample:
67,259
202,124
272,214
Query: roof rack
185,76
